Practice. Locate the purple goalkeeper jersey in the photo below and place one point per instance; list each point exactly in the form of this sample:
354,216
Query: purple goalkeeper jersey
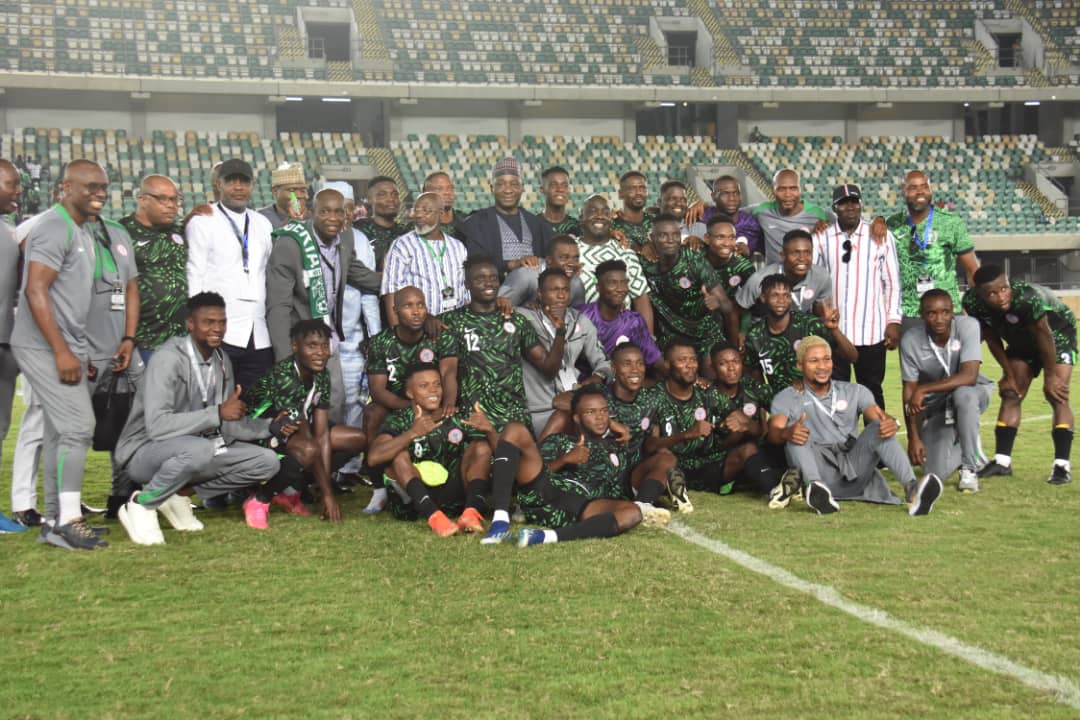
746,228
628,326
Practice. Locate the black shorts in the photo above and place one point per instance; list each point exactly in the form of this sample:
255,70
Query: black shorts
545,504
709,477
1064,350
448,497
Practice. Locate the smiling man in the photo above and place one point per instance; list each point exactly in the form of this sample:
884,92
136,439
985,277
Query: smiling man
786,212
555,187
520,285
810,284
506,232
51,344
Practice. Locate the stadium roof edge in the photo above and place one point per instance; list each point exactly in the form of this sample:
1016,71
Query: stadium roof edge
592,93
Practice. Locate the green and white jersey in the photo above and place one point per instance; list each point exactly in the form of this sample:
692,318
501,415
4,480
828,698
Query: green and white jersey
282,389
1030,303
389,355
444,445
775,354
677,300
380,237
568,226
636,415
161,257
945,240
673,416
636,233
600,477
751,396
490,349
734,274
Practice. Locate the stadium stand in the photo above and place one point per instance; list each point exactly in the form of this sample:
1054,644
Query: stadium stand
982,178
186,157
1061,20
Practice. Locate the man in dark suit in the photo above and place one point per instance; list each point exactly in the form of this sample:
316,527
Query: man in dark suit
310,264
505,232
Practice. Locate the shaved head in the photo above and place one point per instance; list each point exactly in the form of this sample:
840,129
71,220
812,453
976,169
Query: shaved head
85,190
409,293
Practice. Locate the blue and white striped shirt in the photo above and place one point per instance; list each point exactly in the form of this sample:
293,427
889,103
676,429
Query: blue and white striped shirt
410,261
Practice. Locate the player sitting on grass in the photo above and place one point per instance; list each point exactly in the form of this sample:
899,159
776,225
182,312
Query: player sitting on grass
944,393
710,436
816,420
631,407
572,494
299,386
1028,330
389,355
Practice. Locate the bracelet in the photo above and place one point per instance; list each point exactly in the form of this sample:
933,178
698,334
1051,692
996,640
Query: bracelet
128,337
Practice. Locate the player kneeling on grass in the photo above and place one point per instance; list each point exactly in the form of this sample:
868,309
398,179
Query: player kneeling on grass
298,387
712,439
944,394
187,427
646,478
816,419
573,493
1028,330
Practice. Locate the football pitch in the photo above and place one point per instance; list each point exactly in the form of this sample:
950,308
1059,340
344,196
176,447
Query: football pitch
735,611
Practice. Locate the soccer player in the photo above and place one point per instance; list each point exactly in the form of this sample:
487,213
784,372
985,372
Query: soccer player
722,253
299,386
786,212
709,435
615,323
810,284
727,199
189,428
520,285
687,294
944,393
633,221
816,420
771,343
389,356
382,228
631,407
673,203
931,243
555,187
572,494
489,348
1028,330
556,323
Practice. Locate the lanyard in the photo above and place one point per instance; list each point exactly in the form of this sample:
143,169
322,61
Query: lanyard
946,362
242,239
831,396
332,290
104,241
204,383
311,392
924,241
437,260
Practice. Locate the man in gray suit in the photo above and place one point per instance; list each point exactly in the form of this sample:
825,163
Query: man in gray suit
310,264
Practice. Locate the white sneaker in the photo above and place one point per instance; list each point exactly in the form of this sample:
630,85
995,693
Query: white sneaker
969,481
652,516
141,523
177,510
378,501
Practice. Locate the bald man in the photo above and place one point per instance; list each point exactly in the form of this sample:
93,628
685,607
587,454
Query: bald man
310,264
161,258
931,243
64,260
786,212
10,188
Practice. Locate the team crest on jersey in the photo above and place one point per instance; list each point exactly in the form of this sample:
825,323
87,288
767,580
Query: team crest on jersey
749,409
427,355
122,250
699,413
644,423
177,238
614,459
808,293
1012,318
795,345
734,280
954,345
841,405
509,327
684,283
455,435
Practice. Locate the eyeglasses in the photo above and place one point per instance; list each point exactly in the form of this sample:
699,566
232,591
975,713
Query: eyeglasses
846,257
167,199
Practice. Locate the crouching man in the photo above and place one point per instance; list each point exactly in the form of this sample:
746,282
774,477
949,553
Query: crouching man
188,429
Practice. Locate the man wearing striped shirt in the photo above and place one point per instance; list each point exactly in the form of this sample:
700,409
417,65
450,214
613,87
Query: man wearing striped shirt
428,259
865,273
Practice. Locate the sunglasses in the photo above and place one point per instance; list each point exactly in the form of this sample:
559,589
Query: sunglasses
846,257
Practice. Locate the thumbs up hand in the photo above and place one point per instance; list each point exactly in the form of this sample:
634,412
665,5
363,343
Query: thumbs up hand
798,433
233,408
578,455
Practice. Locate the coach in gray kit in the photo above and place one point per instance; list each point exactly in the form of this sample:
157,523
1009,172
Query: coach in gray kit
187,429
51,346
9,288
944,392
817,422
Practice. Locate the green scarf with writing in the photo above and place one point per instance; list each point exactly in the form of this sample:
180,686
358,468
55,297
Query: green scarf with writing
313,273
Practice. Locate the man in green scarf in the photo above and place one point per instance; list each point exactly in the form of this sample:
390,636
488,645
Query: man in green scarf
310,264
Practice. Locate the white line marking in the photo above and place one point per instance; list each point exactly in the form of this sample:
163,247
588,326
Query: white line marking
984,423
1065,690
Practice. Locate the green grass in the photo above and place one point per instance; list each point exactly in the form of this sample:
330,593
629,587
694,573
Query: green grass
376,618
